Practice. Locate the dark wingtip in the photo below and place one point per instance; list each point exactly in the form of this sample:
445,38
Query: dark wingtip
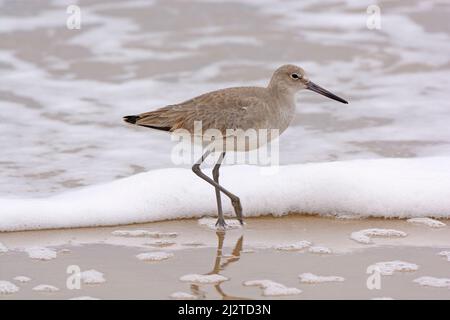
131,119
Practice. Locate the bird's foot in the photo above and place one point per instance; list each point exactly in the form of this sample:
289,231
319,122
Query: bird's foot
221,225
236,202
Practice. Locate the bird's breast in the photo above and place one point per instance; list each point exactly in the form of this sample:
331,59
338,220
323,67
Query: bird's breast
283,116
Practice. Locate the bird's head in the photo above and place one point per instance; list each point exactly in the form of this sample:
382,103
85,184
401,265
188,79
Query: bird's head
291,78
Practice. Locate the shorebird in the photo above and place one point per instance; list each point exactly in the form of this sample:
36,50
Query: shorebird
245,108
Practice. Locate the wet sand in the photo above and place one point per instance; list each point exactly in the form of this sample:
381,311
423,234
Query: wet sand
240,255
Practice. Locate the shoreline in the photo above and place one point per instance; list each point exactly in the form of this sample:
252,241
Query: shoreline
376,188
259,251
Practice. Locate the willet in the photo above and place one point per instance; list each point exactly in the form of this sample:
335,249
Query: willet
245,108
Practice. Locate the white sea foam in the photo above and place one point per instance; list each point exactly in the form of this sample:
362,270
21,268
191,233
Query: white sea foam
312,278
203,279
133,233
41,253
45,288
7,287
272,288
179,295
300,245
211,223
387,268
379,188
92,277
445,254
143,233
365,236
3,248
22,279
154,256
433,223
319,250
433,282
160,243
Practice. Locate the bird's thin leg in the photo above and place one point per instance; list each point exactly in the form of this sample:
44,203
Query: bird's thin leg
220,220
235,201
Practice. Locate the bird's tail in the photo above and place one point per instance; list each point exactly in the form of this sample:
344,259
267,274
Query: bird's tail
148,120
131,119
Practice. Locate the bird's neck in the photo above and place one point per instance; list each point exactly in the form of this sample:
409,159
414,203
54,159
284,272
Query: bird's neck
281,93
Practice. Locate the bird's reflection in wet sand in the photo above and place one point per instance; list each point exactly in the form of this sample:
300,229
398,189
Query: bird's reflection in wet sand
220,263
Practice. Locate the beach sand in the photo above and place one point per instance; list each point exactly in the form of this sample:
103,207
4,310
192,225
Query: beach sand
248,253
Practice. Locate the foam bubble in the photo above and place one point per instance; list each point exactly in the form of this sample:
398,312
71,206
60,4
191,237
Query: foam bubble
445,254
312,278
203,279
272,288
22,279
387,268
211,223
41,253
433,223
3,248
364,236
7,287
160,243
45,288
297,246
144,233
319,250
433,282
154,256
92,277
179,295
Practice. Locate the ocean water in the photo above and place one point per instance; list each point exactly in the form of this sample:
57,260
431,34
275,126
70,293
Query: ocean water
63,92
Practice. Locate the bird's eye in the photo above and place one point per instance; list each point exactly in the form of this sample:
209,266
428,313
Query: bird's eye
295,76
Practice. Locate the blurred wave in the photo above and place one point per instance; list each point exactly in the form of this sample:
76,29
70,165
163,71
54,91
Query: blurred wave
63,92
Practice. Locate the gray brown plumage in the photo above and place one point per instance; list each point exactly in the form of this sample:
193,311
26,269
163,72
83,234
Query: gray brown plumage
232,108
271,107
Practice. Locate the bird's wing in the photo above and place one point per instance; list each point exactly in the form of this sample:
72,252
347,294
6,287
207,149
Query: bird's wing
221,110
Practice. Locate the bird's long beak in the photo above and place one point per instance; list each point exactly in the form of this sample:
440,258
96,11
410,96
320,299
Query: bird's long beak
314,87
